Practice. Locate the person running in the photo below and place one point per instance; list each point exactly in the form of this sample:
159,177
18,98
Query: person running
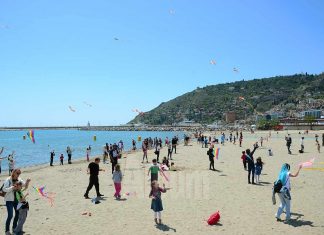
284,194
9,187
156,204
93,170
288,143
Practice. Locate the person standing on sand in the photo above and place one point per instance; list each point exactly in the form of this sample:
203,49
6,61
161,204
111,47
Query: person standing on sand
250,162
9,188
284,194
174,144
93,170
156,204
69,153
114,155
52,158
211,155
144,148
88,152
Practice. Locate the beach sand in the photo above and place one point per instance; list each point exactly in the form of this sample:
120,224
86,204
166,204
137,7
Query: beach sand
194,194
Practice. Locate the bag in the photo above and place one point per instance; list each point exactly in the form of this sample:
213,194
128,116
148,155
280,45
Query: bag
2,194
214,218
277,186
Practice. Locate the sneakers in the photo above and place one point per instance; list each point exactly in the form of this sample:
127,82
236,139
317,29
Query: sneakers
100,195
86,196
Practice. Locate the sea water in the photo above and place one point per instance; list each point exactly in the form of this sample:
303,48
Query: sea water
29,154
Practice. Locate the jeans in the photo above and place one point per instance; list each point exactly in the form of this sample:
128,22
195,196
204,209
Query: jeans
285,203
251,170
11,206
21,221
117,189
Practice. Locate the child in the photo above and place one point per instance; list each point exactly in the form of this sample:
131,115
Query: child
61,159
173,167
156,204
117,178
258,169
11,163
244,159
154,169
270,152
22,207
166,162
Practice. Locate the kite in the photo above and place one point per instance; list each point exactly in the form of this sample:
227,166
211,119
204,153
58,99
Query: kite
71,109
213,62
48,195
172,12
307,164
137,111
116,39
31,135
235,70
87,104
216,153
164,175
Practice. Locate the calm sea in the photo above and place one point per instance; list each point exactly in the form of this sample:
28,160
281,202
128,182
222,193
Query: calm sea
29,154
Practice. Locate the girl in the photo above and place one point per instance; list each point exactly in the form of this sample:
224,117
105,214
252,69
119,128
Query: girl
258,169
243,157
144,148
156,204
284,194
117,178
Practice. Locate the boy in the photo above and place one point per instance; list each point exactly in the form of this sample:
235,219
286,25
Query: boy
22,207
154,169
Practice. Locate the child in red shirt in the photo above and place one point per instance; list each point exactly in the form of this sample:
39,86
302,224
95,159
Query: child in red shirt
244,159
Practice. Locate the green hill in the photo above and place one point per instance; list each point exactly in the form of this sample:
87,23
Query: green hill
286,94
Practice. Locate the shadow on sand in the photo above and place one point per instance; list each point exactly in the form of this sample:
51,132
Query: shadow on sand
165,228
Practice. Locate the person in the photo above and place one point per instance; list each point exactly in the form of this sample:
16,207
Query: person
174,144
106,150
22,207
88,152
134,144
144,148
241,139
270,153
243,157
261,141
157,151
258,169
250,163
318,149
154,169
93,170
166,162
9,187
117,178
301,145
156,204
173,167
52,158
288,143
114,155
211,155
1,158
169,151
11,163
61,159
284,194
69,153
222,138
206,142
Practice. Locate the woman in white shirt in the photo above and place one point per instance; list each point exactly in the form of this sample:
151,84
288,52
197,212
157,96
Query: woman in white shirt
9,188
284,194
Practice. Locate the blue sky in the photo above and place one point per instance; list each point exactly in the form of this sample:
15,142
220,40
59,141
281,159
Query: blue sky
59,53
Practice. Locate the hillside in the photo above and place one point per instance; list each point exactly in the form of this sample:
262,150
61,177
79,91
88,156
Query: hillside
287,94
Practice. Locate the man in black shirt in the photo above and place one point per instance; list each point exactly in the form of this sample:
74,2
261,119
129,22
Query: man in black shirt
52,158
174,142
250,162
93,170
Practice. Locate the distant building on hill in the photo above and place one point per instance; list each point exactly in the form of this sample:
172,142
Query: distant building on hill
188,123
312,113
230,117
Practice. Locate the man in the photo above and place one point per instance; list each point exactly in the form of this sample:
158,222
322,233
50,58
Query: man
69,153
210,153
288,143
114,155
93,170
174,144
250,162
52,158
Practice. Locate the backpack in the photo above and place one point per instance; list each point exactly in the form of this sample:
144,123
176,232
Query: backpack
214,218
277,186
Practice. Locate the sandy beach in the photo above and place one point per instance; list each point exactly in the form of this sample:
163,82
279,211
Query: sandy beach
193,194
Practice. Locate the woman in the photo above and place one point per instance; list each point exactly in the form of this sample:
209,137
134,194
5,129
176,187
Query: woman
284,194
9,198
